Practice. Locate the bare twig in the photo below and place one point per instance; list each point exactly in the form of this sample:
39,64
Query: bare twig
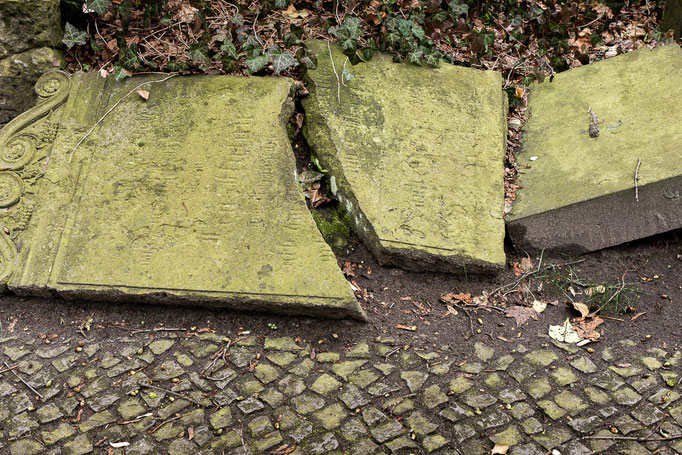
158,329
639,162
163,423
11,369
112,108
634,438
170,392
338,81
465,311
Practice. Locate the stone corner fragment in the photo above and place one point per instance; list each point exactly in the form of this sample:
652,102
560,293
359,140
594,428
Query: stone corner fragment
579,192
187,197
416,157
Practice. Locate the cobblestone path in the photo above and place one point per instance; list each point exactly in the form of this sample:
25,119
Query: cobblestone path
188,393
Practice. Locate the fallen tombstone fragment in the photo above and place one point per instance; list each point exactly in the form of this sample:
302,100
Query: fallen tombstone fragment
585,193
415,155
185,195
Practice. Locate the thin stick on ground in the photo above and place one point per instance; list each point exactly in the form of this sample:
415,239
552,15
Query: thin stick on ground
112,108
170,392
158,329
465,311
11,369
338,80
634,438
639,162
163,423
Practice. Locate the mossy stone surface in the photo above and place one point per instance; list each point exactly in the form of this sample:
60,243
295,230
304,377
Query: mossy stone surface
28,24
187,197
415,155
578,191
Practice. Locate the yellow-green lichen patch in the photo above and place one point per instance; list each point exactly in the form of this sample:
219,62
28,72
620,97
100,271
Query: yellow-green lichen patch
578,191
189,196
415,157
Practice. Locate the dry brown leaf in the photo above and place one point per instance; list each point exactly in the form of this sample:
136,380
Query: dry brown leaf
292,13
143,93
456,298
583,309
500,449
586,327
521,314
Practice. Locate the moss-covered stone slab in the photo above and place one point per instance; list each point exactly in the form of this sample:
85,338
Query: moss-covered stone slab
579,191
415,155
187,197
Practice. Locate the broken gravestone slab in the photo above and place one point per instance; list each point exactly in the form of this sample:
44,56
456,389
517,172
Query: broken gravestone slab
415,155
579,192
189,196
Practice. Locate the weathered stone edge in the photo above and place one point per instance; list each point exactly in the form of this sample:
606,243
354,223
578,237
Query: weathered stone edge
619,217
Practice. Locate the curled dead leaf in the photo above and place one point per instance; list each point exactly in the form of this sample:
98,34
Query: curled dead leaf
143,93
500,449
583,309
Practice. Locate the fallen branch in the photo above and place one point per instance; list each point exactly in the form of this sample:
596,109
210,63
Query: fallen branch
634,438
11,369
112,108
170,392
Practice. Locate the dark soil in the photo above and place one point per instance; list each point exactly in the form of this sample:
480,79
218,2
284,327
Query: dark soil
393,297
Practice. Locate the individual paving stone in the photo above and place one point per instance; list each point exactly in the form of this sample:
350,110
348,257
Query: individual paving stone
182,447
323,444
511,395
331,417
441,368
433,396
346,368
48,413
249,386
647,382
626,396
381,388
291,385
648,414
608,381
552,409
353,429
363,378
307,403
26,447
19,403
460,385
510,436
173,408
527,449
532,426
63,363
303,369
261,445
494,381
101,402
538,388
420,425
433,442
376,146
521,411
325,385
272,397
600,445
20,425
260,425
51,351
463,431
168,370
97,420
62,431
541,358
492,419
172,260
15,353
415,379
595,174
477,399
365,447
521,371
250,405
664,397
266,373
471,368
400,444
570,402
553,437
597,396
564,376
6,389
353,397
160,346
670,377
360,350
627,424
93,388
502,363
652,363
575,448
301,431
627,371
221,418
584,364
387,431
281,344
585,424
284,359
372,416
483,352
409,360
456,412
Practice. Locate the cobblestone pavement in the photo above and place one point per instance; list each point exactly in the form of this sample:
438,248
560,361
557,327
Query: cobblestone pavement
189,392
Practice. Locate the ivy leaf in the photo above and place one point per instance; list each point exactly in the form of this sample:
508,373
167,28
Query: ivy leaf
416,56
458,9
237,19
348,33
73,36
347,76
251,43
281,60
281,3
417,31
198,52
128,56
99,6
229,49
255,61
124,10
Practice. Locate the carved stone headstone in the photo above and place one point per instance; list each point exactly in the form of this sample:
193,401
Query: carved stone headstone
579,192
189,196
416,156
